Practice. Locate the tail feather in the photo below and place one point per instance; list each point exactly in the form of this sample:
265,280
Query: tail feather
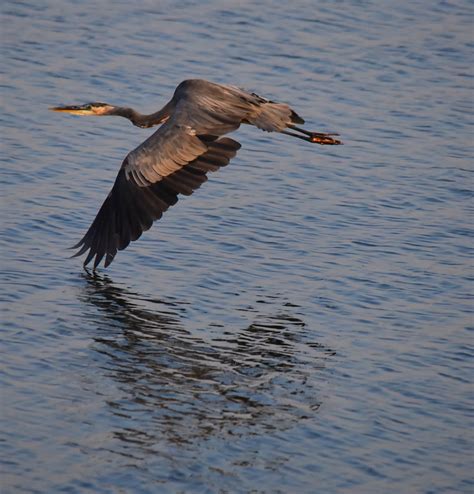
295,118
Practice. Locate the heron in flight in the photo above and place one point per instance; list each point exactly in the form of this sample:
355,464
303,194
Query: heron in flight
177,157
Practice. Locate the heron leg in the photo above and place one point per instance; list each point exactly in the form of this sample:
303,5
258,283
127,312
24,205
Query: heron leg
316,137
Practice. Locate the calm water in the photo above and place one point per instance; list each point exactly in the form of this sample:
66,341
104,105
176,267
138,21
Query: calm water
303,323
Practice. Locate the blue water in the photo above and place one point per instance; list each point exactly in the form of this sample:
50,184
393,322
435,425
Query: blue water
303,323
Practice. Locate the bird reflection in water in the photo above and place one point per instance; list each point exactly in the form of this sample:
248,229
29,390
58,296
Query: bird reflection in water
173,385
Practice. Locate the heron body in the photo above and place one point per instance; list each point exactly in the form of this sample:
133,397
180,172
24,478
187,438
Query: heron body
177,157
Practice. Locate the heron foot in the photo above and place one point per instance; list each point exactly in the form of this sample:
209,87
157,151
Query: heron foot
324,139
317,137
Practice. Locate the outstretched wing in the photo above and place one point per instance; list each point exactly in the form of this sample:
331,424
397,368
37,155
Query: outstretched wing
148,184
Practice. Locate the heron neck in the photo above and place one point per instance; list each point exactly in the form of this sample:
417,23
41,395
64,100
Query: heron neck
141,120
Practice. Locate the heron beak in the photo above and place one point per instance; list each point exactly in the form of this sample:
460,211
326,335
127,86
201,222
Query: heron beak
73,110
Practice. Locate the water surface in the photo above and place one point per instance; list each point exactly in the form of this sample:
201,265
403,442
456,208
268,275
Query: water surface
303,323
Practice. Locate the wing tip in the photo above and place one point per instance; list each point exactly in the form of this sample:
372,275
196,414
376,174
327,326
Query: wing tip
109,257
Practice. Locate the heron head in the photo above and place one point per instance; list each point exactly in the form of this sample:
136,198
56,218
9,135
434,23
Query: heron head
87,109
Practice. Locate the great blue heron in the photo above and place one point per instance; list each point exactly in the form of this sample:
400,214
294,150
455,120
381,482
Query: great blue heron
176,158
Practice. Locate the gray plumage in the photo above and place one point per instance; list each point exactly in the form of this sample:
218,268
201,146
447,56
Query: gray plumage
177,157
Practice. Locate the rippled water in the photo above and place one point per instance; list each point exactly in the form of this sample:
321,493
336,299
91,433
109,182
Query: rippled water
303,323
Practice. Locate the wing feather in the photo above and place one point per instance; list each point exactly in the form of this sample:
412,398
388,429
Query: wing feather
131,207
170,148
